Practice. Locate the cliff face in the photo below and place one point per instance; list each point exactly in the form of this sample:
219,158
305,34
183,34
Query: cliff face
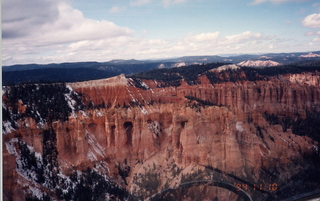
144,136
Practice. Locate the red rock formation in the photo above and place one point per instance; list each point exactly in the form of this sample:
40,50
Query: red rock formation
161,127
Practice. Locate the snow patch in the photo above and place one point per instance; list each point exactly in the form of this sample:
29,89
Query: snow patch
36,192
310,55
239,126
154,127
284,140
91,156
7,127
84,114
99,113
41,121
315,147
259,63
225,67
264,57
143,110
177,65
10,146
144,85
71,103
28,174
95,147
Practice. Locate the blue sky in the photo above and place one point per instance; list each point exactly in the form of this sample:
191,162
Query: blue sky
55,31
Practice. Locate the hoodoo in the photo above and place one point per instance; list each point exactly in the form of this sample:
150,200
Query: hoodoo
136,138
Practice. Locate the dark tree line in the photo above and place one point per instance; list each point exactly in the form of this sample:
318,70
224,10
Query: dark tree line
202,102
174,75
44,102
308,126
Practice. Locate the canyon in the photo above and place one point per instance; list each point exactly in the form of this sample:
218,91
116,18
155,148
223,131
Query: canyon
144,139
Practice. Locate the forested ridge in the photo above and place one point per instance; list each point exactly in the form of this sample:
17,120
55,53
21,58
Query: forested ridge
190,73
43,102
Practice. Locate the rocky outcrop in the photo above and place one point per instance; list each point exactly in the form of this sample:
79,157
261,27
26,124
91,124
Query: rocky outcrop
146,139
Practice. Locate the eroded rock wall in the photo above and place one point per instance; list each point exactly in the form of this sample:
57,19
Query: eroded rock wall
165,135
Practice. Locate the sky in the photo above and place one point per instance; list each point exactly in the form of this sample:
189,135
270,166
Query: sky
57,31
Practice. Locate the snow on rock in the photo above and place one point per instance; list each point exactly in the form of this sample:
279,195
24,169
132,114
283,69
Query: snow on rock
71,103
177,65
315,148
4,90
264,57
83,113
95,148
41,122
239,126
10,146
7,127
99,114
225,67
310,55
36,192
161,66
259,63
143,110
21,162
154,127
144,85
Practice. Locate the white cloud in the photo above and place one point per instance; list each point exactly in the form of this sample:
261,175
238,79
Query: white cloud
317,39
288,22
116,9
57,25
312,21
140,2
165,3
64,25
244,38
275,1
203,37
128,47
20,20
316,5
171,2
312,33
66,36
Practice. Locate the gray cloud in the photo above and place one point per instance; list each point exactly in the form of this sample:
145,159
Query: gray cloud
20,17
276,1
34,29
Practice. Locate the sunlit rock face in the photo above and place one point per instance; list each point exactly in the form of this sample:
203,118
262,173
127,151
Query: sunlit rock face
127,138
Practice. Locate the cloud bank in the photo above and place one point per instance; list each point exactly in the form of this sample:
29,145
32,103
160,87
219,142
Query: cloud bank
55,32
312,21
275,1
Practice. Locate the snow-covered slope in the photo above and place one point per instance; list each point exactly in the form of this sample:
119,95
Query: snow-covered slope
258,63
310,55
225,67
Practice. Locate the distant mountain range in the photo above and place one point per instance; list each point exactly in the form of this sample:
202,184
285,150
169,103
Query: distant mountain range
81,71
